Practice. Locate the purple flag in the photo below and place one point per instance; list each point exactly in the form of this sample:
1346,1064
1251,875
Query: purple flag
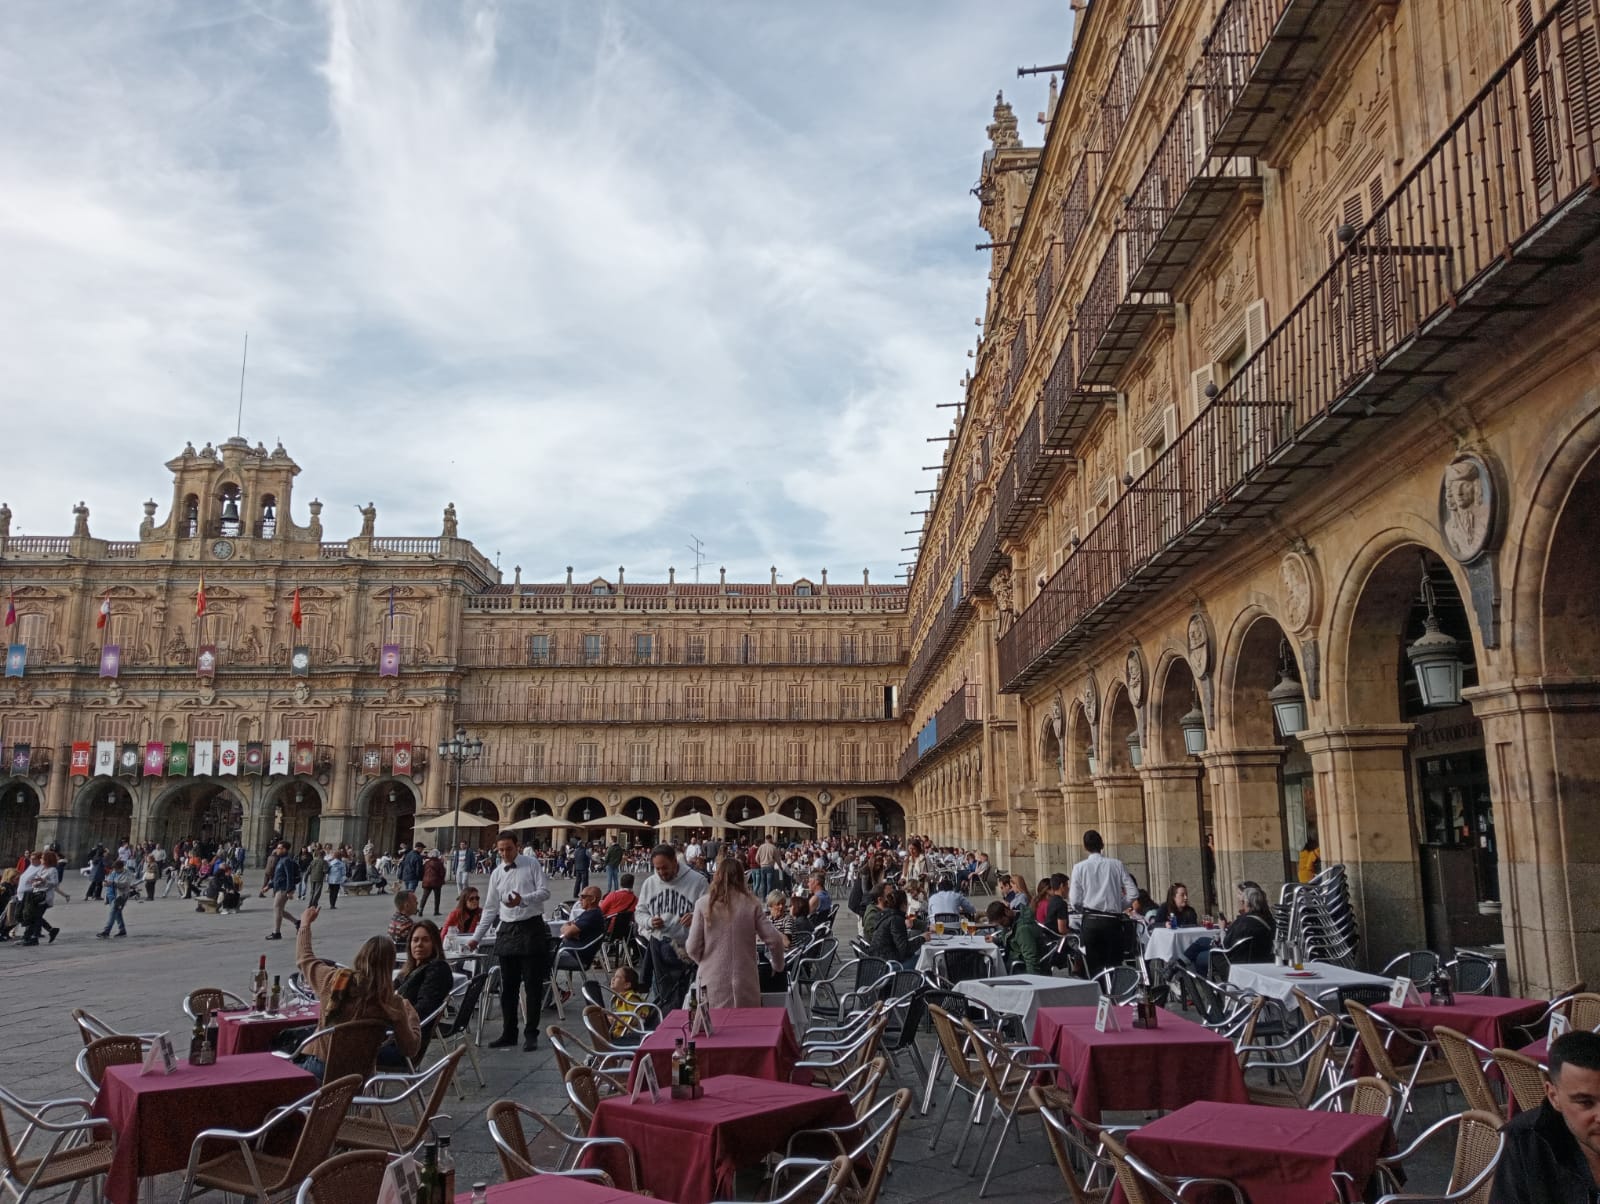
110,660
389,661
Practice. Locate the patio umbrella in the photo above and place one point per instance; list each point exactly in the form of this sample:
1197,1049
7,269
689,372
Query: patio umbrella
696,820
540,821
449,820
776,819
613,821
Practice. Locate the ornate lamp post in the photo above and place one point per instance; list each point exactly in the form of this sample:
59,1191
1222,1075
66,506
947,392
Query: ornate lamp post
458,750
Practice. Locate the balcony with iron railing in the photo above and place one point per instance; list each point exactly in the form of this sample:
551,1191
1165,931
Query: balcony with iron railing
1112,320
1257,64
1487,232
946,627
515,652
1128,72
678,772
956,716
877,600
534,714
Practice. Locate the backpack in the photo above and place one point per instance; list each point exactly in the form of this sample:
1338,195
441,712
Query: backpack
858,897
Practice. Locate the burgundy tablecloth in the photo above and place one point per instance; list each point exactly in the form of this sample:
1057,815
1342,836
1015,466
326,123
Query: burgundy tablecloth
1137,1070
689,1150
1278,1154
156,1116
553,1189
1539,1051
1487,1019
239,1032
757,1042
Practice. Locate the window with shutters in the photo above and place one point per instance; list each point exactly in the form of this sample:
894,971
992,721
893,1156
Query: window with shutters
883,650
588,762
799,700
1579,70
593,648
300,727
850,702
402,630
879,769
745,699
313,632
744,760
694,759
638,701
748,649
799,760
695,650
638,761
20,730
119,728
799,648
34,631
850,761
849,649
539,650
589,702
533,758
694,702
643,648
537,699
392,728
201,727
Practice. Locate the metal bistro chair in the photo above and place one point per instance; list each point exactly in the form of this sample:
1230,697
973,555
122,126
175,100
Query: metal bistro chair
1538,1029
453,1032
1479,1144
1369,1096
1141,1185
516,1153
966,1077
73,1149
1419,965
1425,1070
836,1178
352,1178
204,1000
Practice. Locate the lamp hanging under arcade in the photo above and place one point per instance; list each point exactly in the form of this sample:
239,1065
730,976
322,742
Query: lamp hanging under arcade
1287,697
1193,725
1435,657
1094,762
1135,749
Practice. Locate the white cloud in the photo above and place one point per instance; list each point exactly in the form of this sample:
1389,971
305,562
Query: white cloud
600,274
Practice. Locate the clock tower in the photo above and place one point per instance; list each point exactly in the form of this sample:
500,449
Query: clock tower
229,503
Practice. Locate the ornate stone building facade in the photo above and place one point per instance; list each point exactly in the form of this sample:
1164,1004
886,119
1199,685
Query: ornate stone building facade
1288,359
307,696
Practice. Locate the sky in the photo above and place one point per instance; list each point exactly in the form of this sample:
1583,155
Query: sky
605,275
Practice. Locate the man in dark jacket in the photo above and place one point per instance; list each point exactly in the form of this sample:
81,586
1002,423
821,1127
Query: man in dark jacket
1021,938
285,877
411,868
432,882
1552,1155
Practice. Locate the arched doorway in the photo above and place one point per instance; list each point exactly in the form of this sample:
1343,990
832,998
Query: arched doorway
19,819
391,815
867,817
529,807
646,812
1119,787
476,838
106,808
691,804
797,806
745,806
296,809
207,812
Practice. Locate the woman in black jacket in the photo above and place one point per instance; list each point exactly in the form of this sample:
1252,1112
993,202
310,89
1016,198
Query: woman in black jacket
425,980
890,938
1176,912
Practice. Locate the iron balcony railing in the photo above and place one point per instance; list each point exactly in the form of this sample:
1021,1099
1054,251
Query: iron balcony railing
676,772
956,716
514,652
1446,265
712,711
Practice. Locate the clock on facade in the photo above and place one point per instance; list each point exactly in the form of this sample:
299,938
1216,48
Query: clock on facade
301,659
222,549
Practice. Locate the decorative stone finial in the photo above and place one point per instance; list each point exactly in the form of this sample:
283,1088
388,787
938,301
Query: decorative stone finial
516,577
1002,130
672,575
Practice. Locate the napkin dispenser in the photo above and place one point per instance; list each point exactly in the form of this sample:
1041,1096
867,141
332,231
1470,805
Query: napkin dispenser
1145,1011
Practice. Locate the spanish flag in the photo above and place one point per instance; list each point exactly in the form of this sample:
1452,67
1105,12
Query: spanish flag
200,598
294,611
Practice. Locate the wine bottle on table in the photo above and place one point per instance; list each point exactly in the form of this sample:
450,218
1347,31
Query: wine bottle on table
258,990
430,1185
447,1169
277,994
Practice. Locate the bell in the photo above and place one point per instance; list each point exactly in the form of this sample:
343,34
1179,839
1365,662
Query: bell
230,510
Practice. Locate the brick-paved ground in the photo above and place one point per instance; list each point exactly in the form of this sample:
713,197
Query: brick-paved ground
138,984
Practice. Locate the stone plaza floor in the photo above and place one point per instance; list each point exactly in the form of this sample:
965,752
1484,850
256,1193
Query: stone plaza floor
139,983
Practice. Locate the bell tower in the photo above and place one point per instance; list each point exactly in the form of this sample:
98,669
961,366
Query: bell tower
228,503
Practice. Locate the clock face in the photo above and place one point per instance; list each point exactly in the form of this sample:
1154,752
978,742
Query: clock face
300,660
222,549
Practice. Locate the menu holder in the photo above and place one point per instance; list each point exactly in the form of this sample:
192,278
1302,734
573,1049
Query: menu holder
1404,993
402,1182
1560,1025
700,1024
1105,1016
160,1057
645,1077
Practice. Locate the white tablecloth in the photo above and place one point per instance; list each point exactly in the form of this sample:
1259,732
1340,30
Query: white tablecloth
1280,982
934,945
1024,994
1167,943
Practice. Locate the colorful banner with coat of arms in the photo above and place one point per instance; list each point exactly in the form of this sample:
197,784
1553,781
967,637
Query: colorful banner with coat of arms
305,757
21,755
255,757
279,762
82,758
155,760
177,760
16,660
129,762
402,757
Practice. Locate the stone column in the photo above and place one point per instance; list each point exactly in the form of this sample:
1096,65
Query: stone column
1121,799
1364,822
1542,741
1248,807
1081,807
1172,797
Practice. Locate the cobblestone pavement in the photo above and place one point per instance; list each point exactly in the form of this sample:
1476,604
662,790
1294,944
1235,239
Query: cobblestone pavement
138,984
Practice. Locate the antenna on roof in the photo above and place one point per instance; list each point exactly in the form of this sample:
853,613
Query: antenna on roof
698,547
238,429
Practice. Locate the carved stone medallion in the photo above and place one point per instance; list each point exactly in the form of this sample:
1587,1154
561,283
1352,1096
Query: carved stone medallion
1199,646
1469,502
1091,700
1298,594
1135,676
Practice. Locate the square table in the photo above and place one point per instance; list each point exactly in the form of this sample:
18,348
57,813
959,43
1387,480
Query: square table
1278,1154
1487,1019
1138,1069
690,1150
927,956
553,1189
1281,982
1024,994
1168,943
756,1042
241,1032
156,1116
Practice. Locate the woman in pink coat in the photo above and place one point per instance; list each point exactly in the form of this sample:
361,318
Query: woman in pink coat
722,939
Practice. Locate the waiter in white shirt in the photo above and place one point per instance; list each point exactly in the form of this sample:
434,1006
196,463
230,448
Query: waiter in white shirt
516,897
1102,890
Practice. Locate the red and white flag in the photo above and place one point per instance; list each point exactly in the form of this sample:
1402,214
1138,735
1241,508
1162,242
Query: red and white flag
200,598
294,611
105,611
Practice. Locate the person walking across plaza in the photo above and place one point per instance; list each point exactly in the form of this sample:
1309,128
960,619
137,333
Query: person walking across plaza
1102,889
614,856
338,875
766,867
36,894
117,888
285,877
580,869
411,868
461,862
516,896
433,874
666,907
316,876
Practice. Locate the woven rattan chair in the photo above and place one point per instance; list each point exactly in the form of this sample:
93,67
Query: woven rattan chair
349,1048
352,1178
398,1122
516,1153
585,1089
203,1000
965,1075
93,1058
249,1170
1306,1049
1427,1070
1367,1096
836,1179
861,1085
1478,1147
1527,1034
1583,1009
54,1148
1072,1149
1466,1058
1141,1185
1525,1078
